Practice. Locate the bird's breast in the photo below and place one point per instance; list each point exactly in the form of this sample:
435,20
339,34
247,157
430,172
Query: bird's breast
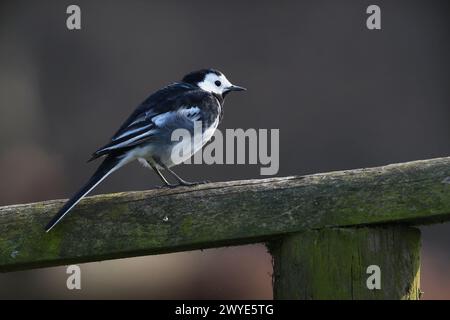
209,130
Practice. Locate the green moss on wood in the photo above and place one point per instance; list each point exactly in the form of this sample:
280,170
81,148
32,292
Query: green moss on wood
332,264
167,220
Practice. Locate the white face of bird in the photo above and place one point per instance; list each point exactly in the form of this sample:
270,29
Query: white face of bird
217,83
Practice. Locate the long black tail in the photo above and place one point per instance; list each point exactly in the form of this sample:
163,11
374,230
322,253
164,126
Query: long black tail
110,164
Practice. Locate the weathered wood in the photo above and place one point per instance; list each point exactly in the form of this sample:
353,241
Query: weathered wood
332,264
168,220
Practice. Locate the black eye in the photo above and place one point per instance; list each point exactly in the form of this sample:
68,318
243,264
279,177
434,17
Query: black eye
218,83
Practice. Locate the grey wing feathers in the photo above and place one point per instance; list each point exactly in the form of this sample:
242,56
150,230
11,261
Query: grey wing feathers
167,109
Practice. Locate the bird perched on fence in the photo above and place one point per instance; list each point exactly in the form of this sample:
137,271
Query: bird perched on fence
146,134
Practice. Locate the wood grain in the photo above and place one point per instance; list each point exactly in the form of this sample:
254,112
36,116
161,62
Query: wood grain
220,214
332,264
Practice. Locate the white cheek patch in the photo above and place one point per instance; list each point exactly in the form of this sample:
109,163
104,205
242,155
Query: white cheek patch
209,83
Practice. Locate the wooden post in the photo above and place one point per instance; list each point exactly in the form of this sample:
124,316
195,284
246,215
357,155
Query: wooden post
332,263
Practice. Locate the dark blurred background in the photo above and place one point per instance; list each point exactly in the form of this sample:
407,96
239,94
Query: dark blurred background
342,96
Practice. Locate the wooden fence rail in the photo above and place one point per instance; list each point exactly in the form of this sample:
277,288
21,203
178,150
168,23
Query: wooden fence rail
323,230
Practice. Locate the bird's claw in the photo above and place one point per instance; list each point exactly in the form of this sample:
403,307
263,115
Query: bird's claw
195,183
167,186
182,183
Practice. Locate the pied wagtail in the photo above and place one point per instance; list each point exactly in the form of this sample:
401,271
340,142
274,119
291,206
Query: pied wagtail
146,134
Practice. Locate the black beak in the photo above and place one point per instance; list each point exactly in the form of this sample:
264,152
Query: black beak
236,88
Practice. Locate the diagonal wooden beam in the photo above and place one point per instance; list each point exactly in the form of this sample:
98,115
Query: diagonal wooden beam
220,214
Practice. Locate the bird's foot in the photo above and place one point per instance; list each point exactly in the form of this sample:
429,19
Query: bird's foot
194,183
183,183
170,186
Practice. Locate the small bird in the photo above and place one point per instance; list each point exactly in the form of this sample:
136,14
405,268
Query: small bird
146,135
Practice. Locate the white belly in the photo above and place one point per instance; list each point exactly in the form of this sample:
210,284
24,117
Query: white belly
187,147
174,154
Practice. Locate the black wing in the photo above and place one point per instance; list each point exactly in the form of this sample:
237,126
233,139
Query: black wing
150,115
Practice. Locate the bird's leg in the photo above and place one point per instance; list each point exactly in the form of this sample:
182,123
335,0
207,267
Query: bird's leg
163,179
181,181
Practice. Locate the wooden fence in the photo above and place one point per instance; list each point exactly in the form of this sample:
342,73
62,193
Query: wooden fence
332,235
